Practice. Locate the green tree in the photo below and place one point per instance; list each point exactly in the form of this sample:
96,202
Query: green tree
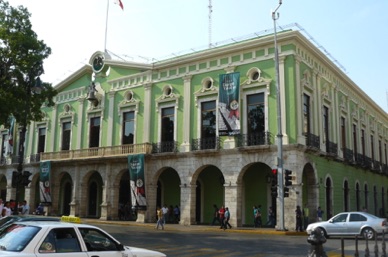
21,64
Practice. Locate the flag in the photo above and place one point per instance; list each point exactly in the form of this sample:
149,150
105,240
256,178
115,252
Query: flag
120,3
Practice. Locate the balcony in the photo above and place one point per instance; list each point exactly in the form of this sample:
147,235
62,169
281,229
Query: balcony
312,141
165,147
97,152
331,148
206,143
263,138
348,155
376,166
34,158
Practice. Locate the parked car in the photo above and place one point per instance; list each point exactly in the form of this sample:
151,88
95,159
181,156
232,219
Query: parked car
351,224
38,238
4,221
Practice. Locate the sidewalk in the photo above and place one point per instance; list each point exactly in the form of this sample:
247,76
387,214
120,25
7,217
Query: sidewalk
178,227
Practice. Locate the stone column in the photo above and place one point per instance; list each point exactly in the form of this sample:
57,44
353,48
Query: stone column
187,204
106,211
74,205
80,123
110,133
147,112
231,202
185,147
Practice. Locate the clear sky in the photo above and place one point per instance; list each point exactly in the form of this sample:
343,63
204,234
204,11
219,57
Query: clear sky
354,32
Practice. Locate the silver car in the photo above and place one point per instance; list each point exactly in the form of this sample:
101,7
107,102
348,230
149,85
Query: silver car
351,224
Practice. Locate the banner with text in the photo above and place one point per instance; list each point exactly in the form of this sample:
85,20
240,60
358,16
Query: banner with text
137,182
44,183
229,104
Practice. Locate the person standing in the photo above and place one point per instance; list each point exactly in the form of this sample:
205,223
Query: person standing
177,213
25,208
258,216
298,214
306,214
319,214
226,219
6,210
159,216
254,216
221,212
165,214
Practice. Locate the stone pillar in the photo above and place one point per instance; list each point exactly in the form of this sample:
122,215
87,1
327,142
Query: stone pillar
185,147
187,204
106,210
80,123
110,133
74,205
231,202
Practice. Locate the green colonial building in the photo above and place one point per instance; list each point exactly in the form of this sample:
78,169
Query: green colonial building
162,133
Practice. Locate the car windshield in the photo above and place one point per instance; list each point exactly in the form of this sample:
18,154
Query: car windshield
16,236
7,219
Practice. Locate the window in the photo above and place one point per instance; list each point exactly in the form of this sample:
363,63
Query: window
363,142
96,240
128,127
340,218
326,125
380,152
343,133
60,240
355,217
94,140
66,130
355,139
208,119
255,114
372,147
306,114
167,133
41,139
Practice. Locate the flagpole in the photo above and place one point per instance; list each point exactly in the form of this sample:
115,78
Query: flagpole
106,24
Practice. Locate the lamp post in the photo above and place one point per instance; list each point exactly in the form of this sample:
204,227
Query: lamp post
21,178
275,16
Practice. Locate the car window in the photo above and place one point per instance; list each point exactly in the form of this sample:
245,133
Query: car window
15,237
355,217
60,240
96,240
340,218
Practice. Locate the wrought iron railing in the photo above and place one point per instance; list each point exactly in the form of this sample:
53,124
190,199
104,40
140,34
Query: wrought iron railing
165,147
313,141
263,138
376,165
384,169
97,152
206,143
35,158
367,163
348,155
331,148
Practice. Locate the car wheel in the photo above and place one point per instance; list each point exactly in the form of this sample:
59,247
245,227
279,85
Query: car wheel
368,233
324,233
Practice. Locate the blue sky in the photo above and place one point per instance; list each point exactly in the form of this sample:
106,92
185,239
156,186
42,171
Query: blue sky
354,32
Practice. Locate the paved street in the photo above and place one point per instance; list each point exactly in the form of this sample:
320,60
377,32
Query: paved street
188,241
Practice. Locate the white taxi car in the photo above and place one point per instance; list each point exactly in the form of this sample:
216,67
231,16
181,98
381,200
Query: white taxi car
63,239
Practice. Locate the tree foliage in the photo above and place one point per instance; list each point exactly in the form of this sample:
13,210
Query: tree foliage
21,64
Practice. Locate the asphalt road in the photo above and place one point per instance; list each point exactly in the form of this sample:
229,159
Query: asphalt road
226,243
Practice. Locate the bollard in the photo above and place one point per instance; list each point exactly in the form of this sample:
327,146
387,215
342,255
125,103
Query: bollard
316,239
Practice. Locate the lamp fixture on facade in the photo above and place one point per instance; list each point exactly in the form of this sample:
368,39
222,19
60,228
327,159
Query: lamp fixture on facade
92,94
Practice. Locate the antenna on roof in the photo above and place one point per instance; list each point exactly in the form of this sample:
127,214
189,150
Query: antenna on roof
210,23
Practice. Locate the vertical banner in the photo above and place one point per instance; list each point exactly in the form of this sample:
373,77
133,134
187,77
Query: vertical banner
44,183
136,179
229,104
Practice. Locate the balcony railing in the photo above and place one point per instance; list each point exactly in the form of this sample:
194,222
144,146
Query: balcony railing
376,166
206,143
35,158
98,152
165,147
313,141
331,148
263,138
348,154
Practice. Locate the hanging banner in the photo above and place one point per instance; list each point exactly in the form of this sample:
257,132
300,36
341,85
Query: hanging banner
44,183
137,182
229,104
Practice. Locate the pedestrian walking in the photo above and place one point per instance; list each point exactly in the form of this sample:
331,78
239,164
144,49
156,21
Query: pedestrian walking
221,212
216,216
319,214
306,215
226,219
159,216
298,214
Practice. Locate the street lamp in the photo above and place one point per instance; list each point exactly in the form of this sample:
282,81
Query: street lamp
275,16
21,178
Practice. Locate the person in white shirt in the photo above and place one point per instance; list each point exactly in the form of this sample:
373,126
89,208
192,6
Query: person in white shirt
25,208
7,210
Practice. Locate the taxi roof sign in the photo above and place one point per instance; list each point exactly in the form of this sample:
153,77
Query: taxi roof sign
71,219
